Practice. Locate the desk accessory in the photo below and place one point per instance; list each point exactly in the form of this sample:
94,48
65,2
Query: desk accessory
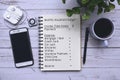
21,47
102,30
32,22
59,43
85,45
14,16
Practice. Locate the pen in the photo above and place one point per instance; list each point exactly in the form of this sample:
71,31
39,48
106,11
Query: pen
85,45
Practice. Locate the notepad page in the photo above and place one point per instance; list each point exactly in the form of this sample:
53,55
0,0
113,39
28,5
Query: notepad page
61,48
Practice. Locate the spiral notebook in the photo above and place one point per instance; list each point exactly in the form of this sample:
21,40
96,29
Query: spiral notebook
59,42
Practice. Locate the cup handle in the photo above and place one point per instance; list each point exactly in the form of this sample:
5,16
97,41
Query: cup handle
105,43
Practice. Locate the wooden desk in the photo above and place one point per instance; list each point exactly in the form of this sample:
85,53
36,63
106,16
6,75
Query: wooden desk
102,63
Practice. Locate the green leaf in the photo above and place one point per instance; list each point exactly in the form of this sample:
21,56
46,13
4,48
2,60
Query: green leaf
100,9
102,4
111,6
107,9
76,10
84,1
118,2
64,1
85,16
92,4
69,12
91,8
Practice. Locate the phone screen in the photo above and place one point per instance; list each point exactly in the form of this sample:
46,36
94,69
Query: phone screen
21,47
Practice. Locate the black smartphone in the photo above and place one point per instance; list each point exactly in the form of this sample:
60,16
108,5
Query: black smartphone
21,47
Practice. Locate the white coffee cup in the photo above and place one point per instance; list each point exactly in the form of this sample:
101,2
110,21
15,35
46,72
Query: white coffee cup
102,30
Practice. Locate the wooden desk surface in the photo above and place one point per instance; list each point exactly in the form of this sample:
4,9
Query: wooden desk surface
102,63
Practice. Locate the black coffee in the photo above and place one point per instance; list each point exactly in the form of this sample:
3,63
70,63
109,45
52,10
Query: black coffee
103,28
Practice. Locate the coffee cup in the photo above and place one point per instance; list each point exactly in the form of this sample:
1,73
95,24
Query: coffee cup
102,30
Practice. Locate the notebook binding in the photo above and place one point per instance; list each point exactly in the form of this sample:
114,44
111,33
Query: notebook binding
40,42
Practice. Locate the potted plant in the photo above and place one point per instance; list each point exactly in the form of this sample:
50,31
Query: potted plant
86,7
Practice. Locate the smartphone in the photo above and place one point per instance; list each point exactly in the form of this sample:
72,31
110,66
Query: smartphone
21,47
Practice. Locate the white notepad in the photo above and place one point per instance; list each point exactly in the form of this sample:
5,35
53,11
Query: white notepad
59,42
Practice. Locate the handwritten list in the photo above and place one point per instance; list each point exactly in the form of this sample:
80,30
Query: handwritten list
59,34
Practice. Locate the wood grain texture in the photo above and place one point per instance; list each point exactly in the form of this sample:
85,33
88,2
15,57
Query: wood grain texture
96,58
102,63
33,73
42,4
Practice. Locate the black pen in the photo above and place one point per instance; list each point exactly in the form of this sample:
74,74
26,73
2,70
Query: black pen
85,45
